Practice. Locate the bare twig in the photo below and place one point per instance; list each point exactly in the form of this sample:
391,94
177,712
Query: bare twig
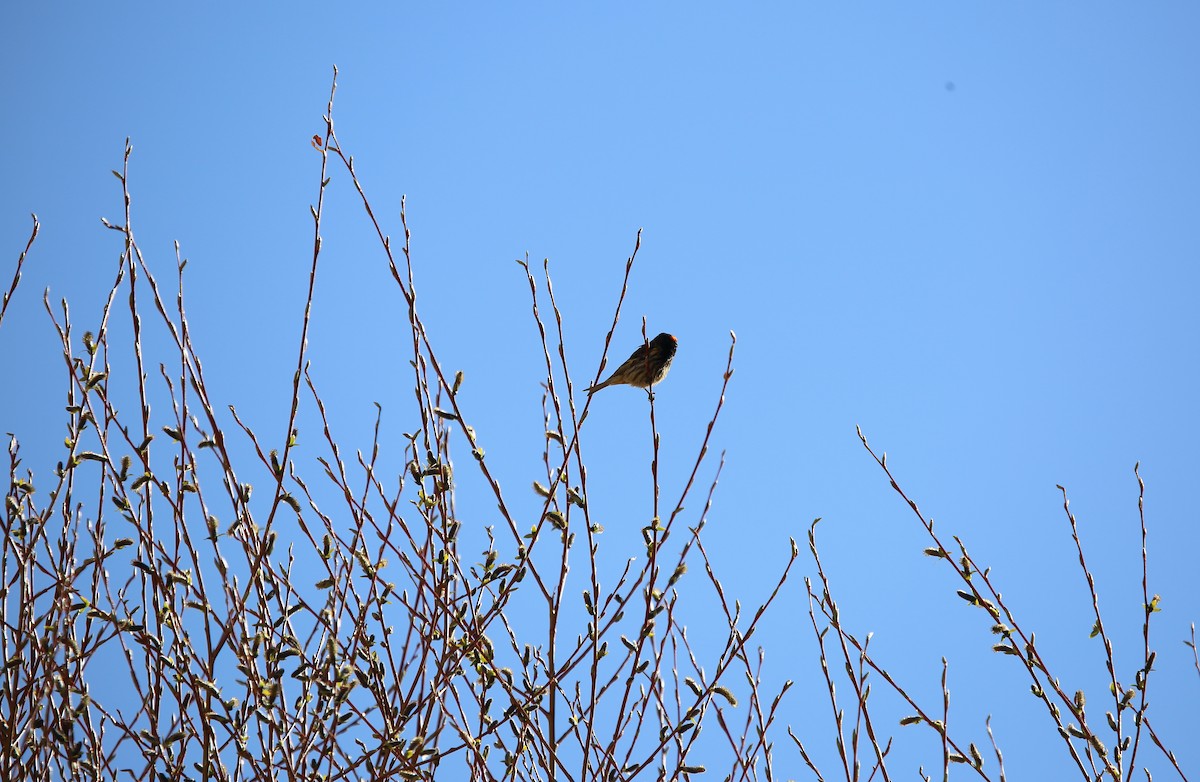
20,263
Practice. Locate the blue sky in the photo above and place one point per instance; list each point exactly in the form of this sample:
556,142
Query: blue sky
968,228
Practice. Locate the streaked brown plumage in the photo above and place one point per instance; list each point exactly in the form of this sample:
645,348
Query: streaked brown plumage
640,370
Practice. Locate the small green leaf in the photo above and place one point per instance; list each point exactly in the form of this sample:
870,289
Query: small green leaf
727,694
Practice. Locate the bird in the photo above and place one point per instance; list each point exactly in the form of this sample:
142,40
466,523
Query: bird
641,370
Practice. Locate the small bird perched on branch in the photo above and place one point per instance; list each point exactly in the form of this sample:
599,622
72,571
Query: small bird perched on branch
642,370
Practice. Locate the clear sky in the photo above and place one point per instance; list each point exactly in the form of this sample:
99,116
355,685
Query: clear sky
970,228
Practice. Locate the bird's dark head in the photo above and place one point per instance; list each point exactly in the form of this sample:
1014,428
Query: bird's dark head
665,342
